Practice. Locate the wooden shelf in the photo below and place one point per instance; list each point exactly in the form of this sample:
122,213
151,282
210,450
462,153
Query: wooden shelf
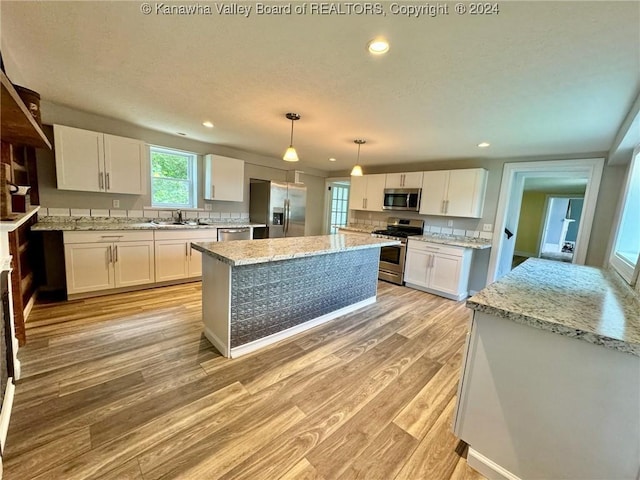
18,126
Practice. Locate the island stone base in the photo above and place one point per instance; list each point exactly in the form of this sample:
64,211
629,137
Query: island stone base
247,307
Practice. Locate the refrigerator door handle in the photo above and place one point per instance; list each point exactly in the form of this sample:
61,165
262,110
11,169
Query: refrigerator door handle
287,212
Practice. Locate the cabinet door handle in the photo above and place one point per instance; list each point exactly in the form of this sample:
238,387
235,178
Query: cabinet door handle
101,180
108,182
213,191
110,254
186,249
446,206
442,207
115,255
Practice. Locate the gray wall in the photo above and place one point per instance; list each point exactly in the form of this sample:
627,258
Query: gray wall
256,166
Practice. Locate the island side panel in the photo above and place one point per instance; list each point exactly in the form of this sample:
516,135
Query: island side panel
268,298
542,405
216,302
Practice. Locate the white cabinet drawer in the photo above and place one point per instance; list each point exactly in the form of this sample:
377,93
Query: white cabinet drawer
111,236
420,246
210,234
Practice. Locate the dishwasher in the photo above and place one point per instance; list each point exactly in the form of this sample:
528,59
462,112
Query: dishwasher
227,234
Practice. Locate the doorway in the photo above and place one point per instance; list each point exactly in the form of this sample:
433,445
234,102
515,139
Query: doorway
560,231
510,203
336,204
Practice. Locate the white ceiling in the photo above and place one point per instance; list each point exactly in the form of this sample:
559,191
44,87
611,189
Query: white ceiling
540,78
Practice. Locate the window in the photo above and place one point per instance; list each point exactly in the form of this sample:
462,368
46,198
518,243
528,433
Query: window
173,178
339,206
624,256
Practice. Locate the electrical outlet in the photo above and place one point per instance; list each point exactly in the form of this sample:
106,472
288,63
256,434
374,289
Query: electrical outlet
449,223
487,227
208,207
116,204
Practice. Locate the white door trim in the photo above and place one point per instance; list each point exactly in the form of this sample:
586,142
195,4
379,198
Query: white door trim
511,190
328,182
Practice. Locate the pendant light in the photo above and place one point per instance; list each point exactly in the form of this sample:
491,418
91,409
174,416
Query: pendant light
356,171
291,155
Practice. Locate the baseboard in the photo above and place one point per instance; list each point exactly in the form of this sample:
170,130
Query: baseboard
216,342
486,467
525,254
457,298
276,337
5,414
131,288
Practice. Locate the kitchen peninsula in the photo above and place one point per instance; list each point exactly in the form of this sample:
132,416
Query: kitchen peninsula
550,383
257,292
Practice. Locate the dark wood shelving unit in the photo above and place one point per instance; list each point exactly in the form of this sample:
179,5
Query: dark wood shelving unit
18,126
20,135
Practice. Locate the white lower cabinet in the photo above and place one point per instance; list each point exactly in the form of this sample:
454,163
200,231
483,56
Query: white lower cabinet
174,257
439,269
101,261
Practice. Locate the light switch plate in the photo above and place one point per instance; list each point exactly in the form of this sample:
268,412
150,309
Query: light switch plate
449,223
116,204
208,206
487,227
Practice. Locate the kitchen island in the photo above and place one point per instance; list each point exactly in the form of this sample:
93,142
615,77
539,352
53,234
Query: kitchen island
258,292
550,383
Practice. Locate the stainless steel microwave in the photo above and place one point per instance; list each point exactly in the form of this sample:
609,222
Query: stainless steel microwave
402,199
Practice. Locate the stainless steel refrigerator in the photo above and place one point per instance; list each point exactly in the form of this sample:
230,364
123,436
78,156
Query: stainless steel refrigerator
281,206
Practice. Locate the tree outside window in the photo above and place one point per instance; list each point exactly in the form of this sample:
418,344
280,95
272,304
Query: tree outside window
172,178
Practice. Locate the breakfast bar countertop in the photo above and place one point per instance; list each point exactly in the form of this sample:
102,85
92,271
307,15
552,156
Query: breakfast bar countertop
247,252
582,302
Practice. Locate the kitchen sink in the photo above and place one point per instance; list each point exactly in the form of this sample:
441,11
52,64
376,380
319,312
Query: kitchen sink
164,223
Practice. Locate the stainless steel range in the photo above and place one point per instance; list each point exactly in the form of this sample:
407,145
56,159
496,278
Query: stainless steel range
392,258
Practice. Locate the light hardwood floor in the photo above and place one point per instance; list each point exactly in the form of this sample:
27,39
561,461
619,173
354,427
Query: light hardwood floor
127,387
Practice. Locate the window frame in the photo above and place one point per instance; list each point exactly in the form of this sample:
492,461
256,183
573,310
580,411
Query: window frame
627,270
192,169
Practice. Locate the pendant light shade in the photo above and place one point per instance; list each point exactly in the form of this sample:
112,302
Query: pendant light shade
291,155
356,171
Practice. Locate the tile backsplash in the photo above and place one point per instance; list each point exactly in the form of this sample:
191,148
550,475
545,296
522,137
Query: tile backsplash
119,213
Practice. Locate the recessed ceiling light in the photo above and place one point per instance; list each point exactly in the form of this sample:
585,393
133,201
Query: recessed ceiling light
207,124
332,159
484,144
378,46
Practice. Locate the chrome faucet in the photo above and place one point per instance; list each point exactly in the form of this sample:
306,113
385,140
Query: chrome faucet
179,215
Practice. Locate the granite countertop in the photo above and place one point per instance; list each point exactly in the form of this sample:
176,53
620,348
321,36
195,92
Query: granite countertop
454,240
79,224
586,303
247,252
359,228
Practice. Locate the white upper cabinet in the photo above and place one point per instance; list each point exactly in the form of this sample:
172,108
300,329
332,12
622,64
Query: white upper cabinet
367,192
125,165
223,178
454,193
404,180
96,162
